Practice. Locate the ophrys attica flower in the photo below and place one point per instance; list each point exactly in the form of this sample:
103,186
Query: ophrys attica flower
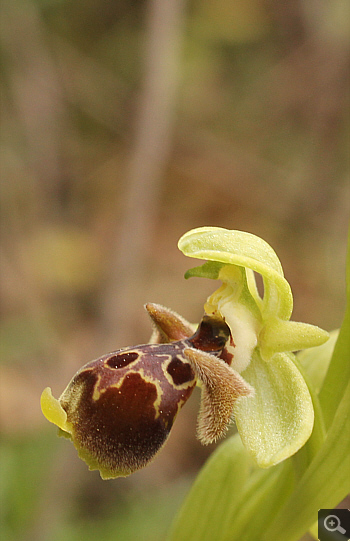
119,409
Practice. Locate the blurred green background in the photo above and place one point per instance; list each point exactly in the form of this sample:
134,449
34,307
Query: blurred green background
125,124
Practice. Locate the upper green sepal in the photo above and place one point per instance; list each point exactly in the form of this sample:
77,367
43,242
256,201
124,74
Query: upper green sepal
244,250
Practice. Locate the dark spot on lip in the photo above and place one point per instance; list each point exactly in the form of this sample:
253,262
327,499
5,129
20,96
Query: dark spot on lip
179,371
122,360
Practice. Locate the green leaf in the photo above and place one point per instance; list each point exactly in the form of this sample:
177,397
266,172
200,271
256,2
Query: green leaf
264,494
217,488
338,373
315,361
278,419
324,484
231,499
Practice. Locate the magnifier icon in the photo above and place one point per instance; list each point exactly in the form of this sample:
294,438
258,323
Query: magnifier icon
332,524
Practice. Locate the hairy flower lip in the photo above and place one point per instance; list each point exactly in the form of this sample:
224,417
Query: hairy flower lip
118,410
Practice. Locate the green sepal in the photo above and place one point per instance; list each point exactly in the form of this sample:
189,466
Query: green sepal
244,250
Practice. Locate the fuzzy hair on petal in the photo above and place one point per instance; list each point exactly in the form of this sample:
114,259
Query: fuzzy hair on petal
221,387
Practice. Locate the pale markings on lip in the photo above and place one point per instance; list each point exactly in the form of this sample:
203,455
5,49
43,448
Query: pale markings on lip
158,400
180,403
97,392
131,397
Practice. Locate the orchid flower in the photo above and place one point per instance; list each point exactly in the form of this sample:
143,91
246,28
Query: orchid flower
119,409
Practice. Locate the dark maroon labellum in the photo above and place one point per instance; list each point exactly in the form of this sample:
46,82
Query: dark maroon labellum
122,406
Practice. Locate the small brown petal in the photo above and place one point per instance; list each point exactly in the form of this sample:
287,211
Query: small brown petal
221,387
168,326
